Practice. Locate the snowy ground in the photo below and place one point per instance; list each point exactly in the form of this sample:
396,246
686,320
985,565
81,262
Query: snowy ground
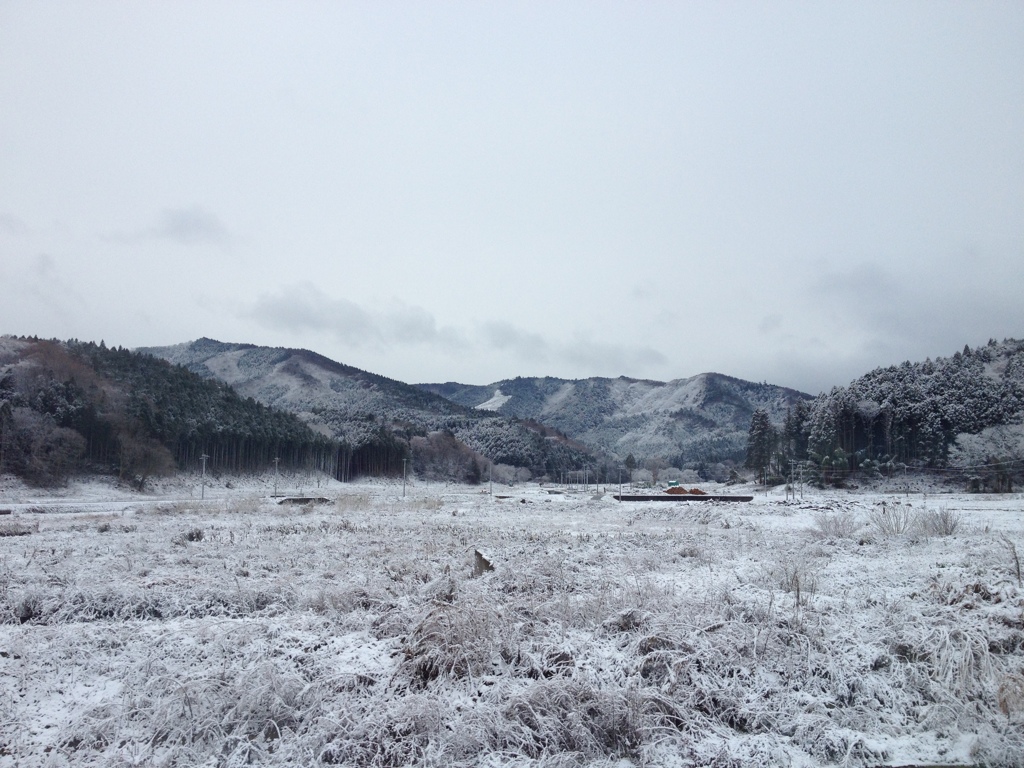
166,629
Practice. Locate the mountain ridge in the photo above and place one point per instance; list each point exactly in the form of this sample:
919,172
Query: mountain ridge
368,411
693,421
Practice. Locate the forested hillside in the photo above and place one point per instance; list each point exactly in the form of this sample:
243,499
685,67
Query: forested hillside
380,423
67,407
962,413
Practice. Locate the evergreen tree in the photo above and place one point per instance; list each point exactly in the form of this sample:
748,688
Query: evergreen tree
794,432
761,440
474,473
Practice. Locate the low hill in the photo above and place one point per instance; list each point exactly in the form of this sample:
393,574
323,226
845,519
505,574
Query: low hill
71,406
691,422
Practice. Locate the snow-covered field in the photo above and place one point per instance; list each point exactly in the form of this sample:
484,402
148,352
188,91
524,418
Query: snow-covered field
168,630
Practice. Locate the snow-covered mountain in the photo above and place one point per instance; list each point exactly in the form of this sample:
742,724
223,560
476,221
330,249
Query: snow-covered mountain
700,420
338,400
375,416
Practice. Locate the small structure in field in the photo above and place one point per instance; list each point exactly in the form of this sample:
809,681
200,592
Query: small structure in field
481,563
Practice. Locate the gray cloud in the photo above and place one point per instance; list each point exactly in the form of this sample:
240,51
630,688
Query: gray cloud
585,355
770,323
305,308
50,286
414,324
44,266
506,337
190,226
12,225
858,283
607,359
869,315
889,310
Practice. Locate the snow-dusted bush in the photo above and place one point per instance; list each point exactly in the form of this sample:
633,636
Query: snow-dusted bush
16,529
940,522
835,525
502,473
892,518
643,476
348,502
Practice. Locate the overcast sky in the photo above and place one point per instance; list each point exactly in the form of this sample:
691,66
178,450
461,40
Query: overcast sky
786,192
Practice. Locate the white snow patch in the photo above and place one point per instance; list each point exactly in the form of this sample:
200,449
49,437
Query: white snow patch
497,400
225,366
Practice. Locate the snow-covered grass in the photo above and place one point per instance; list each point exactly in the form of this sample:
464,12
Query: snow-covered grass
232,630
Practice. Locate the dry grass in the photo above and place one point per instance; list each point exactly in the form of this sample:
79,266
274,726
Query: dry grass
941,522
304,637
892,518
835,525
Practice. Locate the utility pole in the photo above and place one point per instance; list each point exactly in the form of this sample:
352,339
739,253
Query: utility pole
403,476
202,487
277,460
490,479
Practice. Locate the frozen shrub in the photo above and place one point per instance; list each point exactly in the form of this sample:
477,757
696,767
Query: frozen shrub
14,529
244,505
352,502
430,504
28,607
397,733
570,717
891,519
835,525
797,579
943,522
1011,696
451,642
1015,557
627,621
174,508
192,534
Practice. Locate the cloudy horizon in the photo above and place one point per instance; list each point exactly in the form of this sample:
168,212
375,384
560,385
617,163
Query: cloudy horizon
786,192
